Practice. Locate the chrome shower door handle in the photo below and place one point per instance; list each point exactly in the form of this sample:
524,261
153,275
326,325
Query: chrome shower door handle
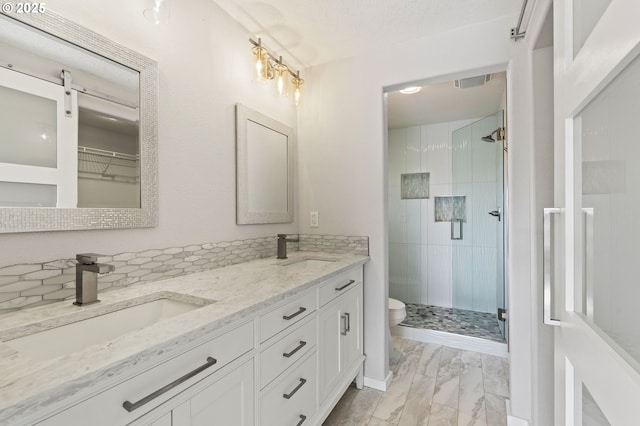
496,213
546,266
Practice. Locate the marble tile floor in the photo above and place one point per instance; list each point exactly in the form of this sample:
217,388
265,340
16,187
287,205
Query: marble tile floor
451,320
432,386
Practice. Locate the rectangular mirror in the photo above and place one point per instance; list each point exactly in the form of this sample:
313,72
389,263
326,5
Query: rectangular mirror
79,146
264,166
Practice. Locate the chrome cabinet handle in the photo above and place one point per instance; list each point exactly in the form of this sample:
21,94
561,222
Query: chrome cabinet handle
295,314
302,419
296,389
348,328
546,265
343,319
300,346
345,285
130,406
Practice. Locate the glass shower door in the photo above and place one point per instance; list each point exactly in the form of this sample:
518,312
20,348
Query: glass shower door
478,256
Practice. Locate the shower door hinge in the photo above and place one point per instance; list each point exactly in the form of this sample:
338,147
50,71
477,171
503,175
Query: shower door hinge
502,314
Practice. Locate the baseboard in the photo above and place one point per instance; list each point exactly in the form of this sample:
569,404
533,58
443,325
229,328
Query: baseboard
381,385
512,420
457,341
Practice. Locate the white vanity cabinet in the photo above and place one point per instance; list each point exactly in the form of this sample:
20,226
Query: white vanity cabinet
285,365
340,351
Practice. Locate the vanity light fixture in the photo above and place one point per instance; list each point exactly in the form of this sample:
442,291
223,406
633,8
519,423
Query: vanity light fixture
410,90
270,68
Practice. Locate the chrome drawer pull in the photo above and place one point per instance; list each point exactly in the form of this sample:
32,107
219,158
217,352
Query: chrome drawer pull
297,388
130,406
300,346
295,314
302,419
345,286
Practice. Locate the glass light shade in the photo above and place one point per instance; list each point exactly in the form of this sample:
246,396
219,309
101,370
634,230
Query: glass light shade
282,82
297,90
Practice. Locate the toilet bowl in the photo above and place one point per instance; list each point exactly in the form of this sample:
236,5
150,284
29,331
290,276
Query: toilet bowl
397,314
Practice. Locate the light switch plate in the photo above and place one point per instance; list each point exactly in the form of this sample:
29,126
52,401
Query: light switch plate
313,222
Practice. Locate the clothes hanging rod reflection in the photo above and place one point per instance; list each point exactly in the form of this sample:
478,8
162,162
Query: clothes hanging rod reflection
255,43
106,153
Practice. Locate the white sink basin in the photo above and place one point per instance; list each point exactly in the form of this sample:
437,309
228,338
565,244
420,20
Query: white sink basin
307,262
104,327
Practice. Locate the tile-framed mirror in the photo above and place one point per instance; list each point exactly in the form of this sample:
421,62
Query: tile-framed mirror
93,83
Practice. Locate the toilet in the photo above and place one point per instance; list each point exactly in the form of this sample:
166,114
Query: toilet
397,314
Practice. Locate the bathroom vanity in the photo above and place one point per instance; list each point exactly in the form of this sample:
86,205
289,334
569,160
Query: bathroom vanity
267,342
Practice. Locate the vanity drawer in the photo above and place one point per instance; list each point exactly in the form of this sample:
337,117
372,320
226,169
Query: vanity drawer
286,315
107,408
338,285
299,386
286,351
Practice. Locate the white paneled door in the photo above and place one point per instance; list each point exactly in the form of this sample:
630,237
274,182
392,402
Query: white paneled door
592,284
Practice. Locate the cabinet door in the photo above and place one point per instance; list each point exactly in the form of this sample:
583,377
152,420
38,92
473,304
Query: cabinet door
352,324
228,401
329,347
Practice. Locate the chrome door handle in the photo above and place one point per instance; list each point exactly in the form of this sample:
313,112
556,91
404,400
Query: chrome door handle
348,327
546,266
344,328
496,213
588,261
302,419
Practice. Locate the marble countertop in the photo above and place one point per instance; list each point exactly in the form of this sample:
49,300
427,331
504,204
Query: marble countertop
27,386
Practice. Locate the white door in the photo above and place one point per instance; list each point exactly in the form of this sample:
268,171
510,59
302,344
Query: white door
38,147
595,301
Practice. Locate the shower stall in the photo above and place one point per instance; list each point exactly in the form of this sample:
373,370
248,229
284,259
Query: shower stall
447,205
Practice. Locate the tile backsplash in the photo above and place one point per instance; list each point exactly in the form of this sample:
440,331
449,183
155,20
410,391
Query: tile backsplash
28,285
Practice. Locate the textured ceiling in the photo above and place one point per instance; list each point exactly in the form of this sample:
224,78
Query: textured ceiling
311,32
439,103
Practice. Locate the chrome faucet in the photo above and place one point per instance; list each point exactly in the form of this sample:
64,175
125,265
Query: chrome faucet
87,271
282,245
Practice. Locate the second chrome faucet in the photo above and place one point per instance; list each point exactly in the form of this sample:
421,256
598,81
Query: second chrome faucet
282,245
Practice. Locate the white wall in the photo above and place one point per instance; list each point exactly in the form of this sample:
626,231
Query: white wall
204,60
342,152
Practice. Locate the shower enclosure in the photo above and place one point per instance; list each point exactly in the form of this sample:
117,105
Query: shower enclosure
447,225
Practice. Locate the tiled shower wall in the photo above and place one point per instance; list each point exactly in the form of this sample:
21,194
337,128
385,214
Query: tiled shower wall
425,265
28,285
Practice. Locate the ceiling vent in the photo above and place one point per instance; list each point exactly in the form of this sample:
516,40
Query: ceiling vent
465,83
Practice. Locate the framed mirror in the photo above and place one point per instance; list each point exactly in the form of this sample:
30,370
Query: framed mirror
79,145
264,167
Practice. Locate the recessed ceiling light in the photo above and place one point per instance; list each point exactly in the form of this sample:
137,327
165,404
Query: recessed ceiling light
410,90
